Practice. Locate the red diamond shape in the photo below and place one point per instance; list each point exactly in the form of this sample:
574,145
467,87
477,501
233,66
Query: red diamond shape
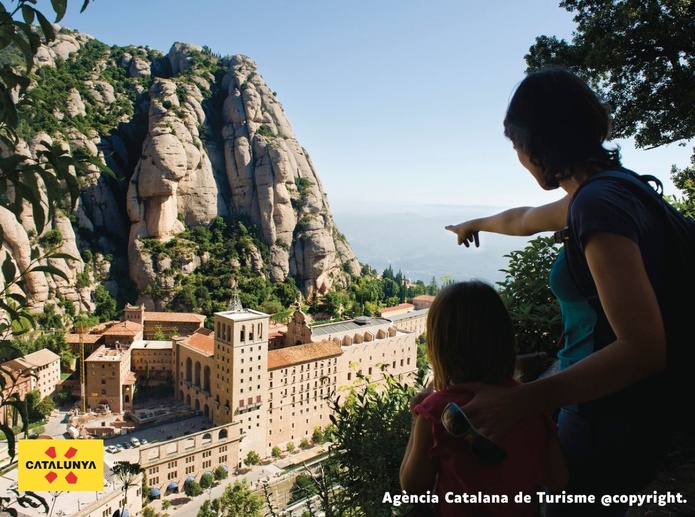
71,452
71,478
51,476
51,452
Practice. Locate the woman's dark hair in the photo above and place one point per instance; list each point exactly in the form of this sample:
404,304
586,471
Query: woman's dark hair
469,336
560,123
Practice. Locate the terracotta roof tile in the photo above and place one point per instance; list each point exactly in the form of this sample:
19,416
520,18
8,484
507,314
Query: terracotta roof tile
184,317
399,307
283,357
123,328
201,342
41,357
74,339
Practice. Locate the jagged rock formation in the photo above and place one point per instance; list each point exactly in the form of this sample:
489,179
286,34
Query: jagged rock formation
193,136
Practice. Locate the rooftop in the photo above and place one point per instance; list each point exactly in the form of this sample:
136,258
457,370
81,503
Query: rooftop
123,328
298,354
41,357
202,342
241,314
361,322
150,344
74,339
399,307
408,315
175,317
105,354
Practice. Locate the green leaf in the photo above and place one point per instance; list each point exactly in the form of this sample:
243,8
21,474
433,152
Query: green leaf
51,270
46,27
8,269
9,435
84,5
28,14
59,6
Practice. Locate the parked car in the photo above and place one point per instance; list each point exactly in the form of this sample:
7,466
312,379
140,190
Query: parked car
144,441
135,442
126,445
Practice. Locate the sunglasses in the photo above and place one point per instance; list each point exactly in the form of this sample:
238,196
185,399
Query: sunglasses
457,425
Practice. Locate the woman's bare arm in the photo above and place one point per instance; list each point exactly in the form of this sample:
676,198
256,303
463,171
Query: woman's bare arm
524,220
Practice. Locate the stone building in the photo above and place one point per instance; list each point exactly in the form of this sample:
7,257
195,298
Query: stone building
151,361
44,368
277,396
412,321
424,301
169,323
169,464
108,379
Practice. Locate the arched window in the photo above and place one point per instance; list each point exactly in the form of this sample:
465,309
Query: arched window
206,379
242,333
196,381
260,331
189,370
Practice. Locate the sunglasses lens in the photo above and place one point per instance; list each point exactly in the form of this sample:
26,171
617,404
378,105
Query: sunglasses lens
457,424
455,421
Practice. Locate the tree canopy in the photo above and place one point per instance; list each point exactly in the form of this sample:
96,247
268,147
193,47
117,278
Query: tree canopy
640,56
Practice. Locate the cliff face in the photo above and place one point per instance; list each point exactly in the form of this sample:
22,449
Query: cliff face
191,136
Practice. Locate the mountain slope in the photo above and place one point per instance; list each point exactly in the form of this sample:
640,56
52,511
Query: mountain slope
192,137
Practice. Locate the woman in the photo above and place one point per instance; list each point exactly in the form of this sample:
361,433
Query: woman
609,284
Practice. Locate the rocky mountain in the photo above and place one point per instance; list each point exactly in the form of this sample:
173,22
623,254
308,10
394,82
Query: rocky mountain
191,137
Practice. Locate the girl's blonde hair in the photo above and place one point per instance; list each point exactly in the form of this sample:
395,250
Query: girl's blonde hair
470,337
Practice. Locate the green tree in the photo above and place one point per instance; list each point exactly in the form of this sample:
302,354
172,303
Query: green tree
206,480
104,304
252,458
192,488
527,295
276,452
303,487
45,407
221,473
148,511
318,437
368,468
290,447
238,500
641,57
127,473
166,504
304,443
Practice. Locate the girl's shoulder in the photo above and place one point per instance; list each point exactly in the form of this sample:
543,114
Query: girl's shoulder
435,403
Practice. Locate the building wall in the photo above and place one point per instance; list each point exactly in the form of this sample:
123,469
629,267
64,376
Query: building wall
47,377
296,400
396,354
105,379
417,323
191,455
241,375
169,328
154,364
194,385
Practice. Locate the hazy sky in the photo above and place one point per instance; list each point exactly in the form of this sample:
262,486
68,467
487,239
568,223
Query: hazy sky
396,101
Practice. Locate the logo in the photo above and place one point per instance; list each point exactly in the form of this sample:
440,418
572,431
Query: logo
61,465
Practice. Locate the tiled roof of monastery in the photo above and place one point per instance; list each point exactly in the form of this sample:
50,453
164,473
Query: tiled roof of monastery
183,317
41,357
298,354
123,328
202,342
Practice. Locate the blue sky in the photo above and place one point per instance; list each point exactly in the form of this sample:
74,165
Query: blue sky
398,102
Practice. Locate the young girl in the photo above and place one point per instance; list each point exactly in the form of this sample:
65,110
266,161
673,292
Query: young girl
470,338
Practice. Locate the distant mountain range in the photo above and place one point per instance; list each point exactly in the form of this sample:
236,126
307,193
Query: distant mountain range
412,239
